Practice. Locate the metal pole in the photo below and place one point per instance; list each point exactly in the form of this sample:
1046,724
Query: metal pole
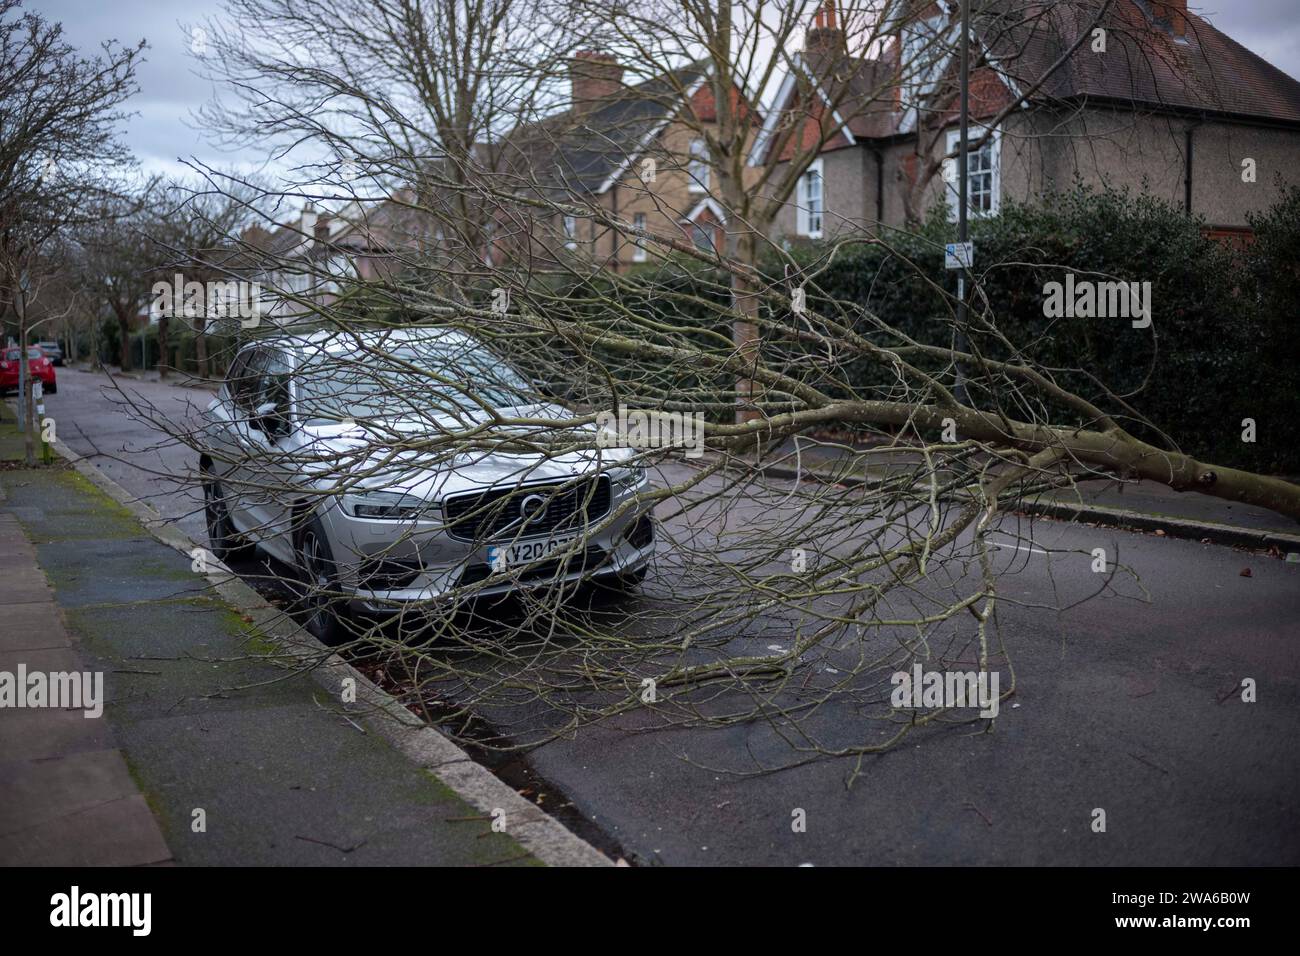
962,195
20,304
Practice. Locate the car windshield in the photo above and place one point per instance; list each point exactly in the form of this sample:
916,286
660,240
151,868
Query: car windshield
407,379
32,353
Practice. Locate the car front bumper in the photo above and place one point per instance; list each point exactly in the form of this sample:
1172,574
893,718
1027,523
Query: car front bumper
384,567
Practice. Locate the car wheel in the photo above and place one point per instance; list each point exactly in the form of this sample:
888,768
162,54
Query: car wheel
324,614
226,543
54,388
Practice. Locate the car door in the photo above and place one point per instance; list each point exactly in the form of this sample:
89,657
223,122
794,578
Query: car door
244,483
271,472
222,437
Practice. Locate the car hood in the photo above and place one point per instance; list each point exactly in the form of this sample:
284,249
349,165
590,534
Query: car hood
367,453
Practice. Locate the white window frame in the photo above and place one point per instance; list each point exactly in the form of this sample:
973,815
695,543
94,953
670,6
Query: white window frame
919,84
805,224
697,167
639,252
994,145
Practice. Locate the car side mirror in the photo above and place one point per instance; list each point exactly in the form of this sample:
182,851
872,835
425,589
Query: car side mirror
270,419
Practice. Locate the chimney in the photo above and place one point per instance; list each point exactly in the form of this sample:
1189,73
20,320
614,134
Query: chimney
596,77
826,35
1172,13
307,224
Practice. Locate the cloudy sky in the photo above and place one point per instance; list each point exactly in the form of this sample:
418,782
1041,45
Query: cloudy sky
163,133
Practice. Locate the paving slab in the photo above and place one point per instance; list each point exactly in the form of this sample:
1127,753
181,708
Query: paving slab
45,790
46,734
33,626
120,833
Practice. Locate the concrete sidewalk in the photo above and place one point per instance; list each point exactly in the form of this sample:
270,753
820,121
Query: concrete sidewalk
66,795
208,751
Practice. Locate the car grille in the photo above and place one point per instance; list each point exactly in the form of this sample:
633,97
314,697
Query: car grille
481,516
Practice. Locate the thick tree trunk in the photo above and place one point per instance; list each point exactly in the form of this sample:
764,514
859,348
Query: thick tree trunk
124,335
201,347
164,353
1115,451
744,299
744,303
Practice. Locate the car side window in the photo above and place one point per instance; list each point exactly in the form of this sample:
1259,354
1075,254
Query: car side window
236,369
273,384
243,381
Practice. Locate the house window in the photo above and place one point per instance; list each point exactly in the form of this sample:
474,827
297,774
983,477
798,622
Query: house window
702,234
984,180
698,168
638,248
811,201
925,55
570,232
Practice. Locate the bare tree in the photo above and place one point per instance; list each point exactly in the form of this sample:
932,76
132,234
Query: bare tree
59,140
765,598
399,101
196,231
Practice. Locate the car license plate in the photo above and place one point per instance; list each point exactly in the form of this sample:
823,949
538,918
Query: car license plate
502,556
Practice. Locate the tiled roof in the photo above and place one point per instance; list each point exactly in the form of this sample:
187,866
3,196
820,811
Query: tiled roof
572,152
867,104
1145,62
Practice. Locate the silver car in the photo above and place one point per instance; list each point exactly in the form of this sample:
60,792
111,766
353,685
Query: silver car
374,464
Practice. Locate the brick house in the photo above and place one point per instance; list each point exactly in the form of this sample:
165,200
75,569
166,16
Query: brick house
301,265
1158,101
633,151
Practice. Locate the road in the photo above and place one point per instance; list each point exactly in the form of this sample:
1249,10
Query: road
1126,706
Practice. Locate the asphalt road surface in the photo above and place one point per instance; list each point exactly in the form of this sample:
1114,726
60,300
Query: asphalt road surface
1132,707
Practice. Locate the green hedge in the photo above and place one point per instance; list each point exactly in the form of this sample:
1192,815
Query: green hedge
1223,347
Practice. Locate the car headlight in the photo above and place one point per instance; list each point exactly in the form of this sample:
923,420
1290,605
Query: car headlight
627,478
389,506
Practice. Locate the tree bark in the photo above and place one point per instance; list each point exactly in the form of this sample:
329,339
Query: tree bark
164,353
124,335
201,346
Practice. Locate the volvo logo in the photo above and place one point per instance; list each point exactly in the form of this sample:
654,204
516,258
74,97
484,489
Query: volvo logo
532,507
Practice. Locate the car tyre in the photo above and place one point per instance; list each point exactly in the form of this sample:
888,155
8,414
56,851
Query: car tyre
324,613
226,542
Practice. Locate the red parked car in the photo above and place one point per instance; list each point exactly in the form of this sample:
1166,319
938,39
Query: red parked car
37,364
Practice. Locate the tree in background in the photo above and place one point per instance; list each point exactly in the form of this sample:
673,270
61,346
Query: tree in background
59,145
